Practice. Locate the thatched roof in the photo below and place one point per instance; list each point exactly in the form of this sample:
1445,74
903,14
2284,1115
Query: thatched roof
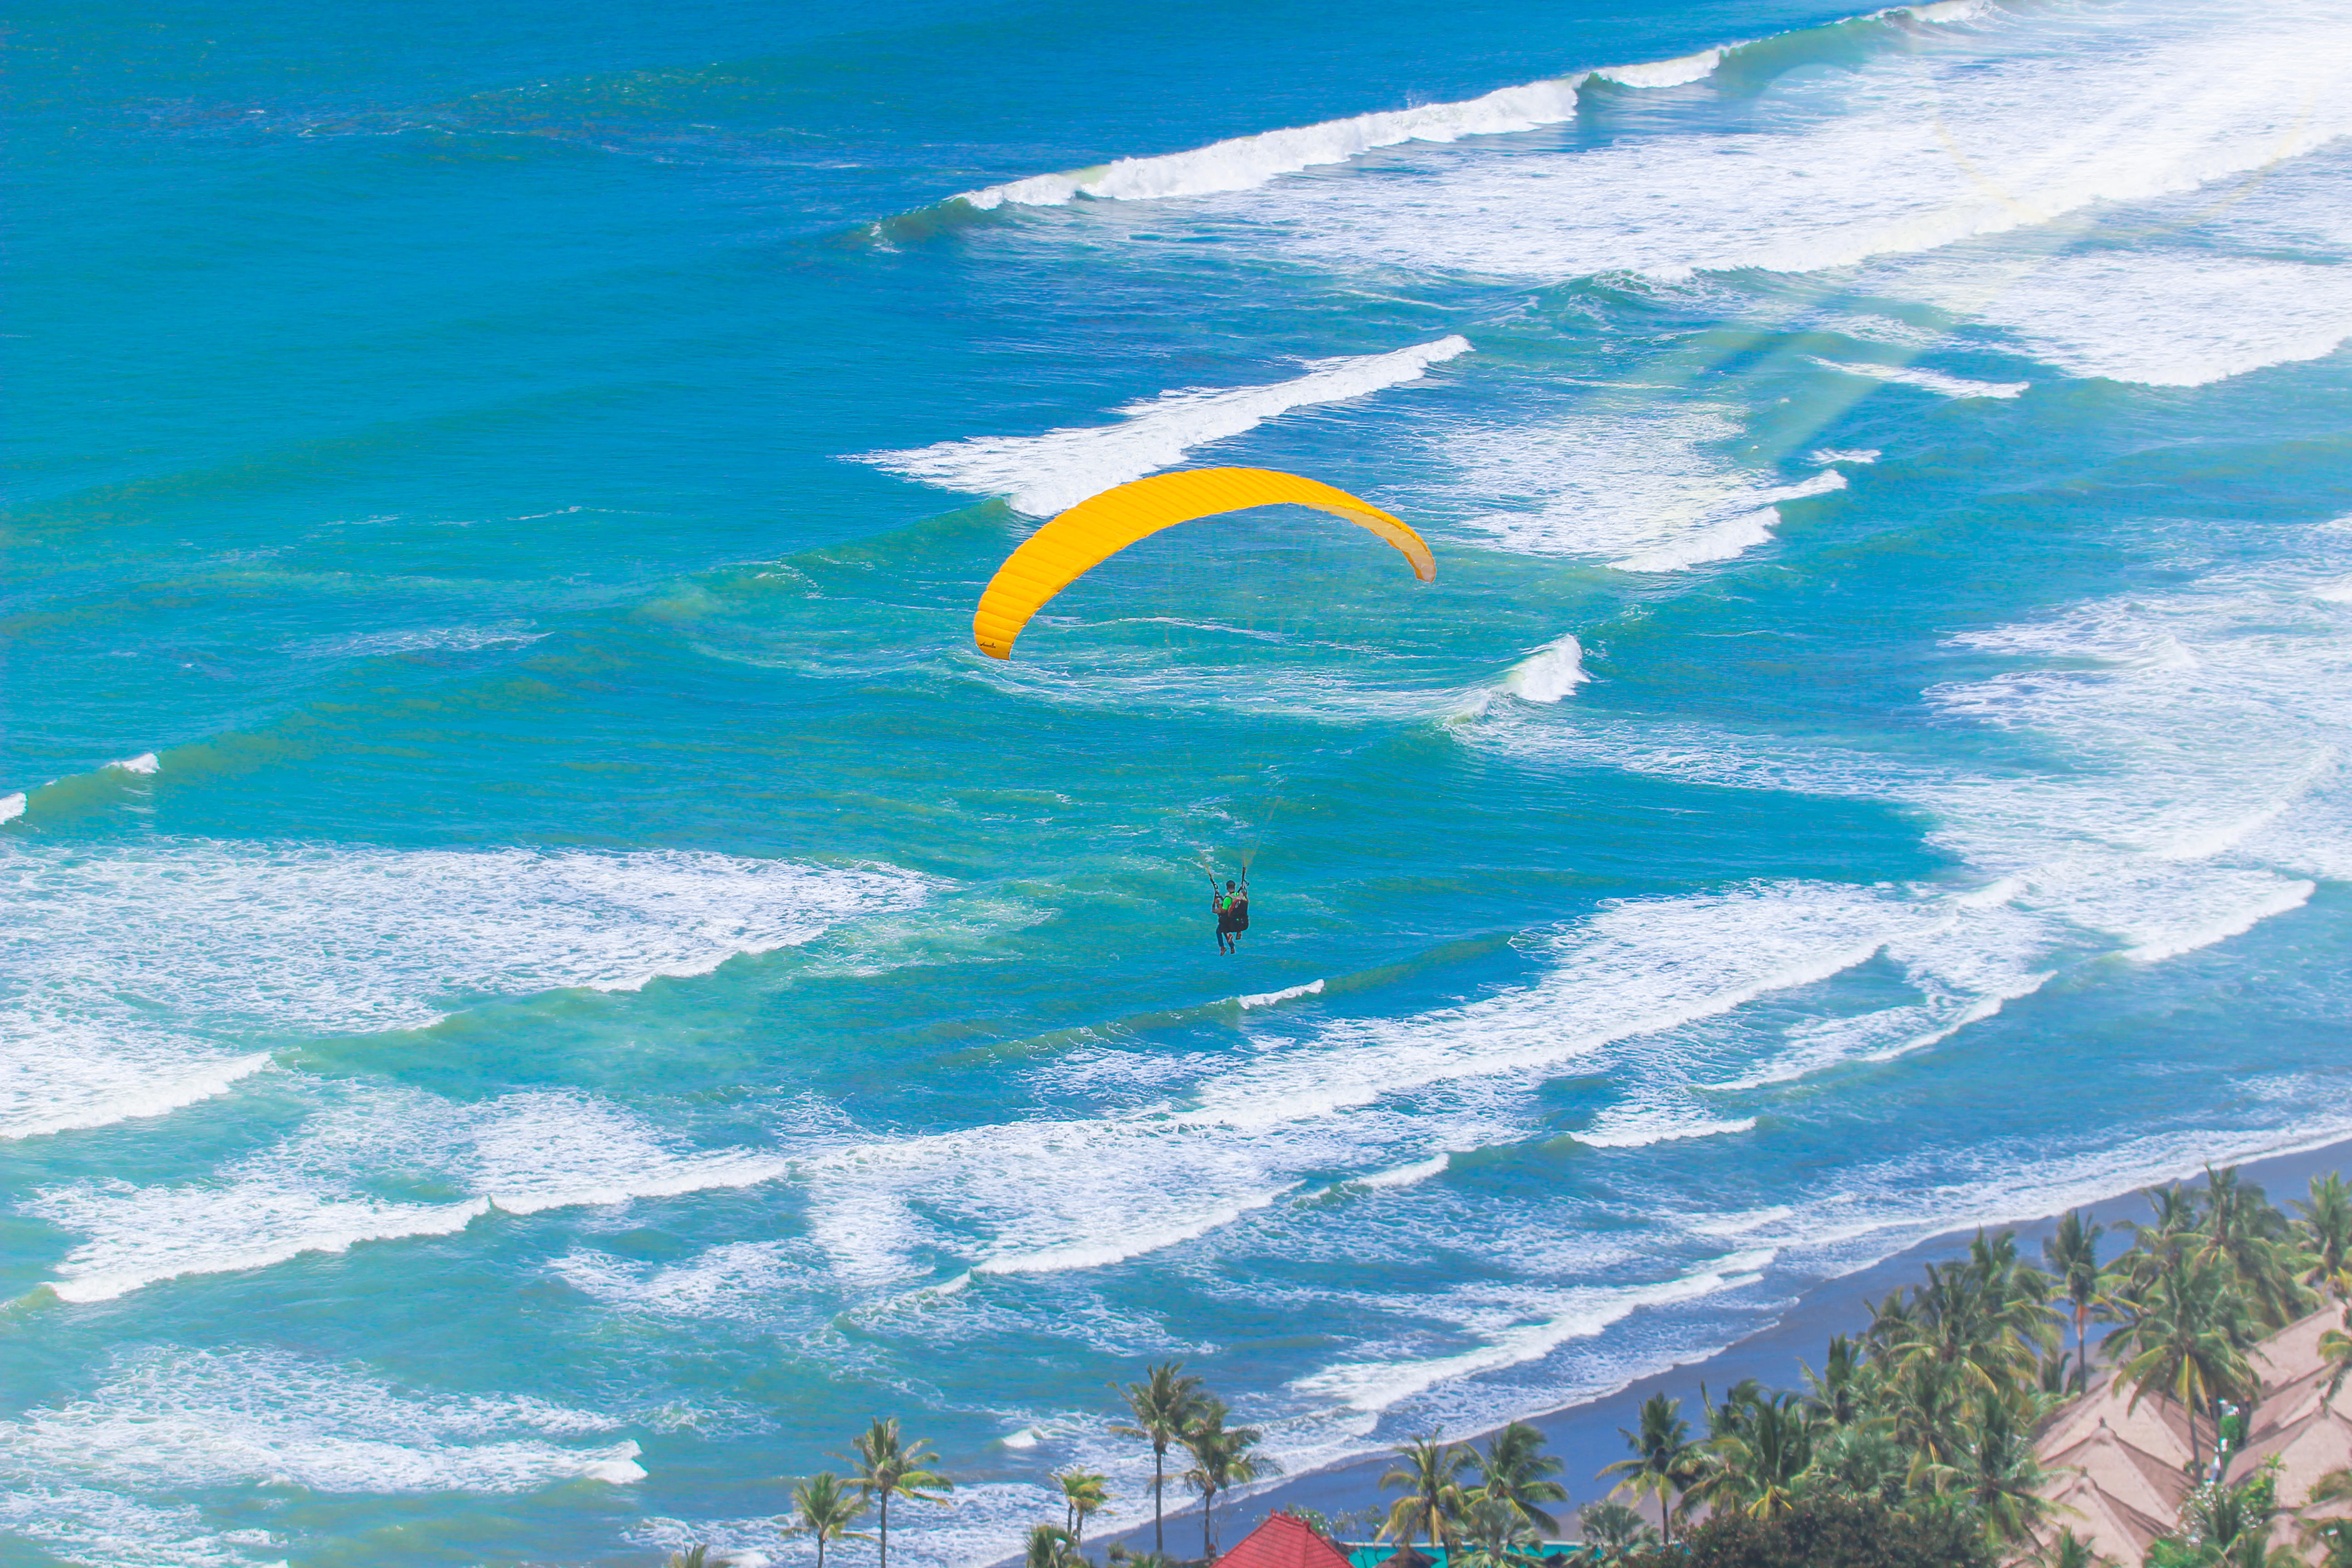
2120,1474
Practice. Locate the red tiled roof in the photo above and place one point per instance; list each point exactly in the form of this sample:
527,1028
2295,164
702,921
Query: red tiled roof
1283,1542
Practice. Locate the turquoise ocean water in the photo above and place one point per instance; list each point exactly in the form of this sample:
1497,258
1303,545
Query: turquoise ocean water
543,981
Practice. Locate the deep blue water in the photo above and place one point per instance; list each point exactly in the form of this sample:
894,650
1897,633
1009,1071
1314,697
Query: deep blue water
544,981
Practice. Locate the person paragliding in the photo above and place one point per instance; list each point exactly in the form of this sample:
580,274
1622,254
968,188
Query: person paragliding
1089,533
1232,908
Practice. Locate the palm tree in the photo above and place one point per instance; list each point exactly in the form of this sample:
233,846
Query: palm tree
1222,1458
1083,1495
1840,1389
2175,1215
1616,1531
2232,1524
1758,1446
2073,1257
1517,1473
2326,1232
2335,1350
889,1466
1928,1412
696,1557
2002,1475
2070,1550
2333,1536
827,1508
1430,1475
2241,1230
1163,1404
1861,1460
1494,1533
1050,1546
1988,1317
2189,1340
1890,1321
1662,1458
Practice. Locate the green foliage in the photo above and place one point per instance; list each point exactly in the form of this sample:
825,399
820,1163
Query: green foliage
1830,1533
2073,1254
1162,1406
696,1557
1429,1473
1516,1474
1083,1495
1123,1558
1664,1462
1757,1447
890,1466
2070,1550
1222,1456
1050,1546
2325,1232
824,1507
1615,1529
1357,1524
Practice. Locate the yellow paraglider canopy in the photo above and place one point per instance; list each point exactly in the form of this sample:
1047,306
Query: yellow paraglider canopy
1101,526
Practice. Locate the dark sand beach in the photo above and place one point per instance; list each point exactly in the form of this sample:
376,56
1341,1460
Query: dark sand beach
1586,1435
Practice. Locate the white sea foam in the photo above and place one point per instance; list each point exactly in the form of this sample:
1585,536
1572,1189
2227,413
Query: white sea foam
140,1236
1120,1248
350,938
1064,1194
334,939
1648,493
1638,1128
12,806
145,762
95,1525
1926,380
758,1281
1637,967
1243,162
1576,1314
316,1191
2171,938
1551,673
422,640
59,1074
1407,1176
1721,538
1042,475
1677,72
2197,786
171,1419
2158,317
1828,455
1287,993
1909,152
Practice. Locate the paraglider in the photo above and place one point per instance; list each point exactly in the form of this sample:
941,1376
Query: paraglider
1088,534
1101,526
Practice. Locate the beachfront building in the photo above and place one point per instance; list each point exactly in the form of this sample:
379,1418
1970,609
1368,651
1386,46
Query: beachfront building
2120,1474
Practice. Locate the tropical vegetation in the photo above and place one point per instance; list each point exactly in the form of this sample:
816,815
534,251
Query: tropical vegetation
1912,1445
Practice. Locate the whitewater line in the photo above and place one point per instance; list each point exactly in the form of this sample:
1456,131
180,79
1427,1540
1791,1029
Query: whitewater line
1041,475
1245,163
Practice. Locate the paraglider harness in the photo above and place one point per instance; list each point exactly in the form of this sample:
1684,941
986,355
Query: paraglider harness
1232,911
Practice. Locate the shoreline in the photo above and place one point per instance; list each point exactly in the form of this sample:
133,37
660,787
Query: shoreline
1585,1436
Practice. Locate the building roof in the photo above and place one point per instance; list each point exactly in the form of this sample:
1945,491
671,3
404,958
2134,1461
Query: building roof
2120,1474
1283,1542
